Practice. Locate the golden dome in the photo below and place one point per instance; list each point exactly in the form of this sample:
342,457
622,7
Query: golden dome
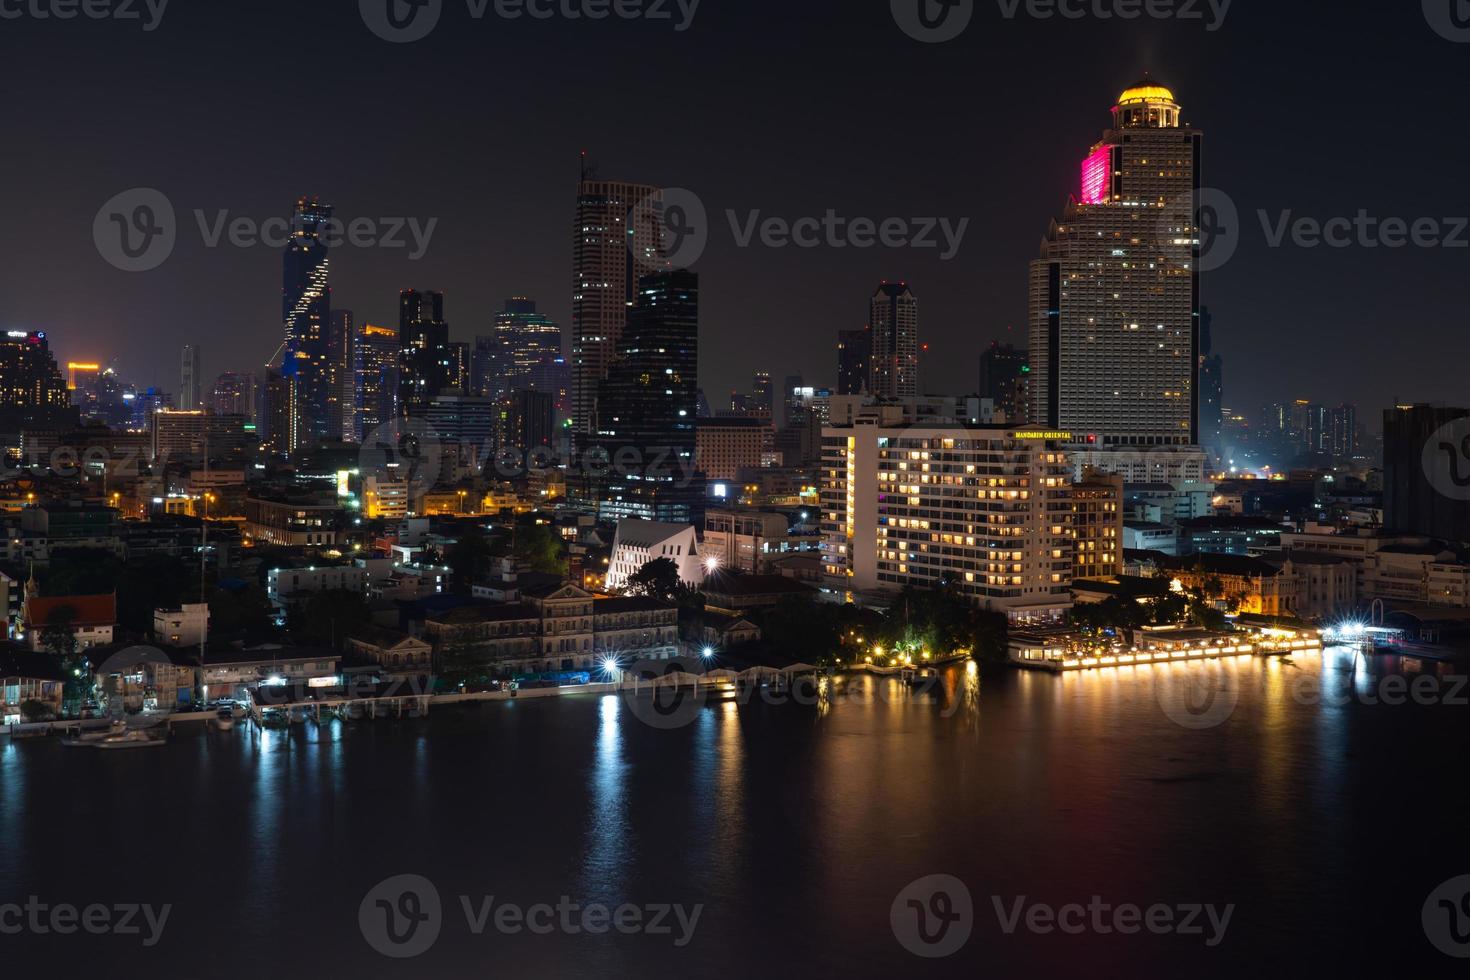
1145,91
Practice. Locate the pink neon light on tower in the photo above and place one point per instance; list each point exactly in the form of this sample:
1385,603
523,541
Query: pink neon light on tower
1097,171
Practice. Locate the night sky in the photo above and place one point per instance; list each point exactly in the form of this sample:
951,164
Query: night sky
789,108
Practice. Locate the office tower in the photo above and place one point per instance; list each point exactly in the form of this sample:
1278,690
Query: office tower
526,338
235,394
342,375
191,380
1426,471
650,405
145,404
464,424
1211,387
1005,375
526,420
894,321
616,239
728,445
278,413
854,356
1097,526
1342,435
307,304
32,389
192,435
761,392
1114,296
423,339
552,375
376,364
458,367
892,515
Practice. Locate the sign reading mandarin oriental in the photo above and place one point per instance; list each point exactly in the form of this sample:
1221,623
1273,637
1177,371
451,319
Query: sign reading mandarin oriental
1042,436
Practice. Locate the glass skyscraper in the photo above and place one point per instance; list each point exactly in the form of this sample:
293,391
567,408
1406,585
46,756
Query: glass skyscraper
307,305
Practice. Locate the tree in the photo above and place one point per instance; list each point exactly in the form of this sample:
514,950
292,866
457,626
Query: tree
328,618
34,711
470,557
657,579
539,546
243,614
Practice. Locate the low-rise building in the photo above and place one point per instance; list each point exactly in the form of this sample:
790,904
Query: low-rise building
1240,583
743,541
285,586
234,673
639,542
25,677
90,619
734,594
399,654
187,626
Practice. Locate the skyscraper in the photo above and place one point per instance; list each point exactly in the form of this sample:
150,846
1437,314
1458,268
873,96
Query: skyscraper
235,394
32,388
342,375
650,405
525,338
376,362
1005,376
191,380
307,304
854,356
894,321
1426,471
423,339
1114,296
762,392
614,242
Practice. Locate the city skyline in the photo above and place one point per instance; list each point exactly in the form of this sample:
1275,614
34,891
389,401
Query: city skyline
493,242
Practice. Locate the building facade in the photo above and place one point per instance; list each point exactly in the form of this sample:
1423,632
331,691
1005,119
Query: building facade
893,319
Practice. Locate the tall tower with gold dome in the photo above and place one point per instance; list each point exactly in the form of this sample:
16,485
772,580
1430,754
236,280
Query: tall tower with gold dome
1114,299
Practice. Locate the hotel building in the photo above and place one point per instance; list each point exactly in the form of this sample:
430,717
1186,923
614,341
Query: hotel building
988,509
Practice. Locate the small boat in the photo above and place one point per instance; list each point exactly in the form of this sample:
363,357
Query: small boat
224,719
87,739
352,710
135,739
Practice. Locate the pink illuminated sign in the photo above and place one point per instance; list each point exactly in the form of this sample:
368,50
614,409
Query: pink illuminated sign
1097,171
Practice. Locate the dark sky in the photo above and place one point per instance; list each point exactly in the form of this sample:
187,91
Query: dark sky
790,108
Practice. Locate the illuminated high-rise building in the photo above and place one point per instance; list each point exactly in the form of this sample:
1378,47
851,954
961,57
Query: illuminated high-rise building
377,378
894,321
424,364
617,238
525,338
235,394
32,388
1114,297
307,305
342,375
854,357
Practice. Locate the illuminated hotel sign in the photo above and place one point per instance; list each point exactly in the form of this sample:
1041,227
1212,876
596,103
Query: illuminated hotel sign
1040,436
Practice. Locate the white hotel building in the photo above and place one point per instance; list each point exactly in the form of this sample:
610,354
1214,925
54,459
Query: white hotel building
989,508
